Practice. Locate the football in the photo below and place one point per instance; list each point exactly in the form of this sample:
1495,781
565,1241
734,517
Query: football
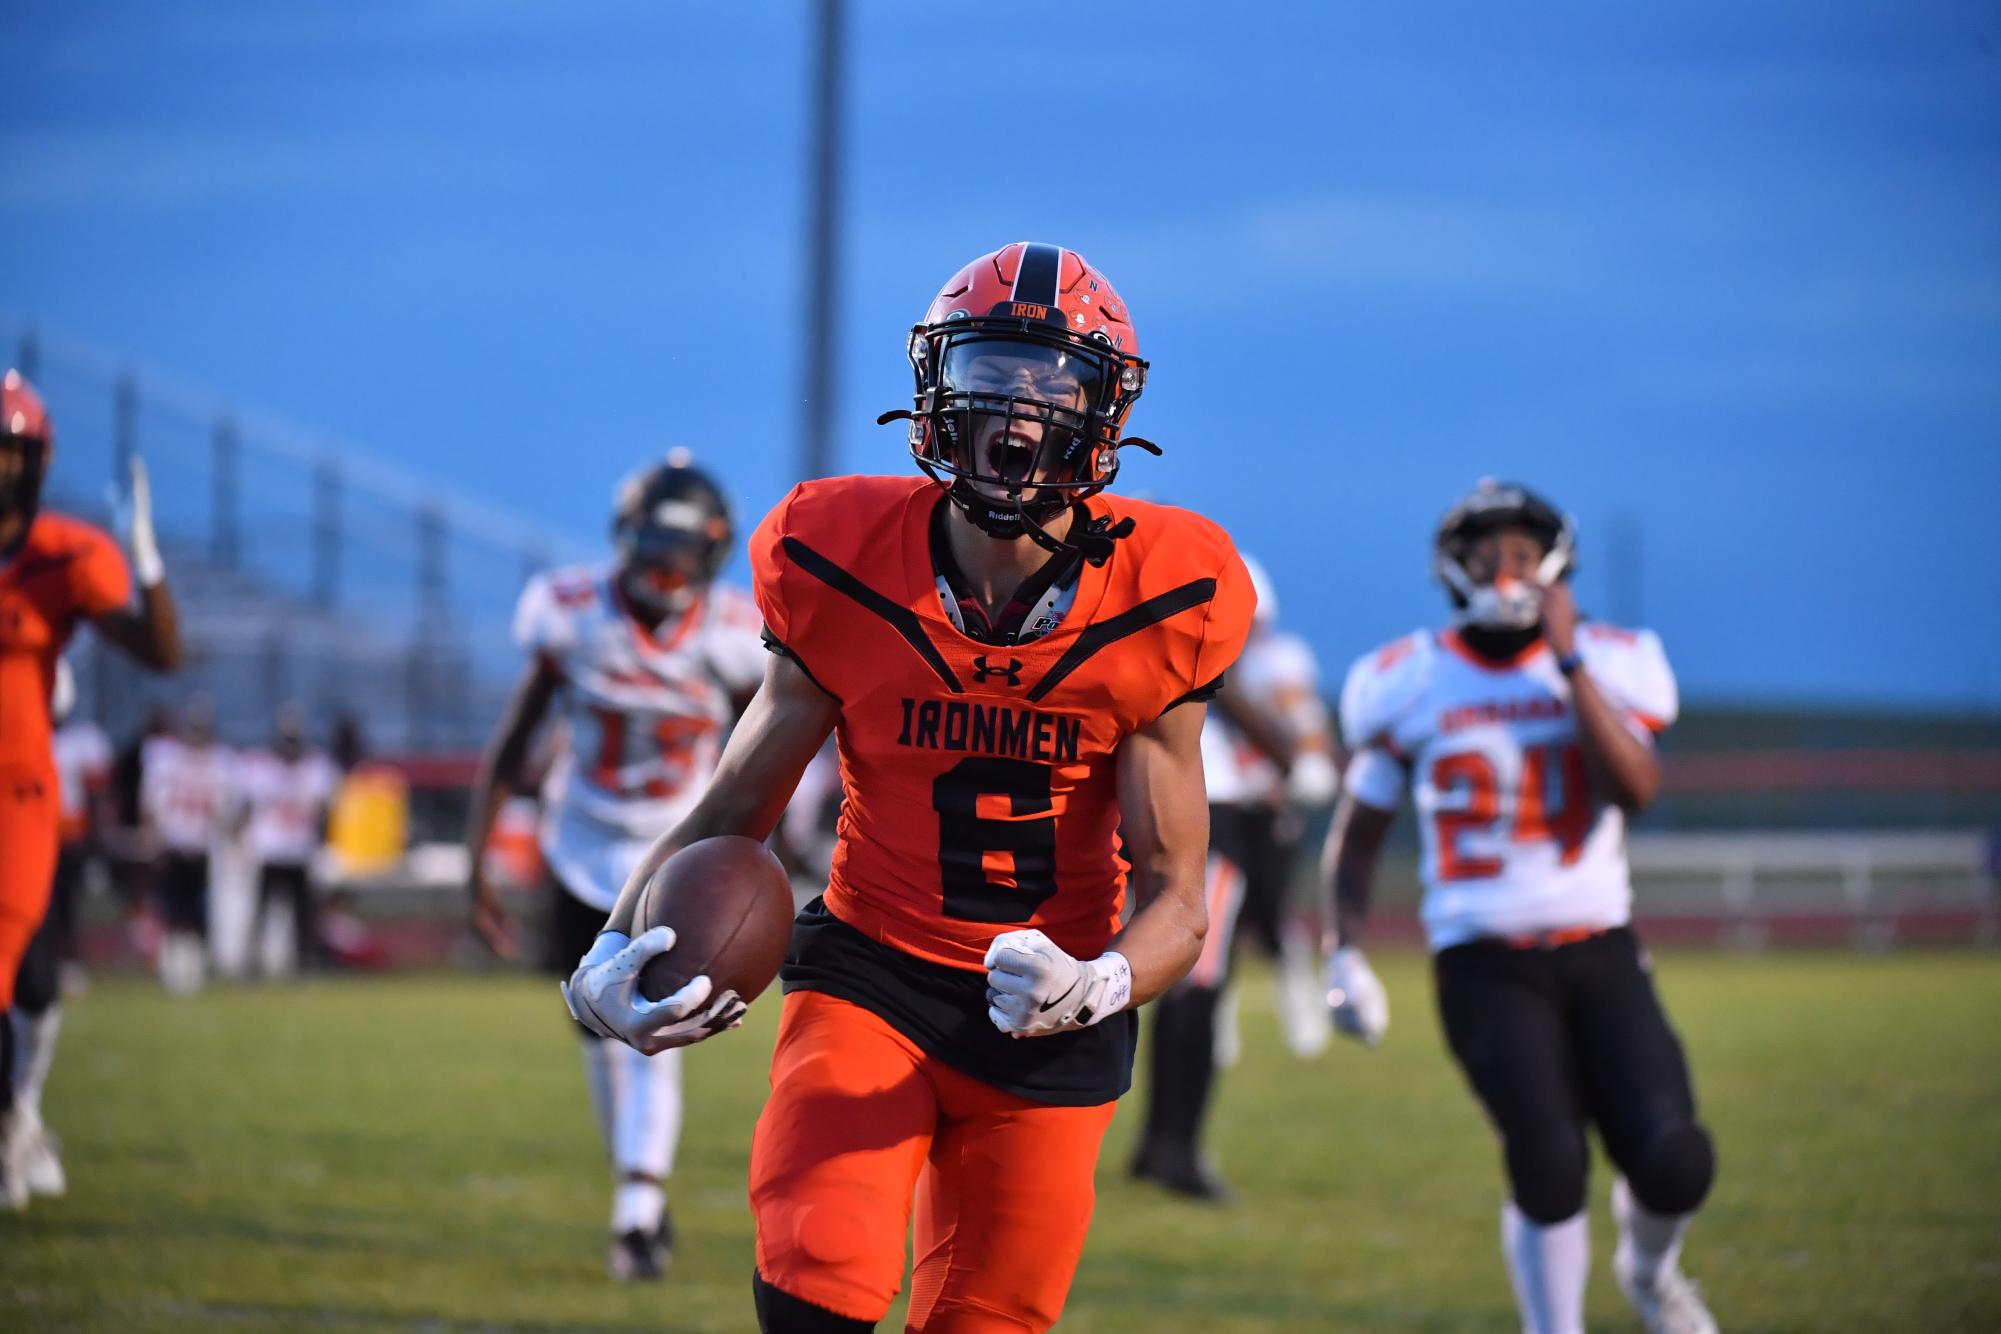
730,904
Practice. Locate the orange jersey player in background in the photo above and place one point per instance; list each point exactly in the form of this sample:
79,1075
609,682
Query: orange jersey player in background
1017,667
55,573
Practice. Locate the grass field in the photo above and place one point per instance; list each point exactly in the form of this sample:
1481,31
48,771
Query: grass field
415,1154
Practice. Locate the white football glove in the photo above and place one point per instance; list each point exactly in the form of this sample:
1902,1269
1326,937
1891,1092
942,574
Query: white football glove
1361,1006
132,516
603,996
1035,988
1313,781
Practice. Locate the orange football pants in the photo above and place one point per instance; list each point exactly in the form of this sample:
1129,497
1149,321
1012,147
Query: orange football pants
30,828
859,1120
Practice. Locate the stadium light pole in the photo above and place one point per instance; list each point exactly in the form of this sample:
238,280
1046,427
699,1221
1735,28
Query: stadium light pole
223,526
326,533
1624,568
823,249
124,427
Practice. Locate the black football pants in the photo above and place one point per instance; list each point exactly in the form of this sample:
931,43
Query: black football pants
289,882
1181,1055
1555,1039
184,892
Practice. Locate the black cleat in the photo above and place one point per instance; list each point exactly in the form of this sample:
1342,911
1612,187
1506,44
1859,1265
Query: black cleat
642,1257
1183,1172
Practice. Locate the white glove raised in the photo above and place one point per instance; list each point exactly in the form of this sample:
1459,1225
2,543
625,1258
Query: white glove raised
132,516
1034,988
603,996
1361,1006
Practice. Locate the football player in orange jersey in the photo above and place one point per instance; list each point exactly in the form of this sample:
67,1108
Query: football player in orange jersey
1017,667
55,572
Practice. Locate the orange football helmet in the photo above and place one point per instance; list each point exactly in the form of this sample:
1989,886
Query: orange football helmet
1026,365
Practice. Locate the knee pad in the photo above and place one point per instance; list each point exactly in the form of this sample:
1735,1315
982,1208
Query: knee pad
828,1254
1548,1172
1674,1171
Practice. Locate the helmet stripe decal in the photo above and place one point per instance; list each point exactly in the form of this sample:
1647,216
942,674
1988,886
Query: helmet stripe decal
1041,269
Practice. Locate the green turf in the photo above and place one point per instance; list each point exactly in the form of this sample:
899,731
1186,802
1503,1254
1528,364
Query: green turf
415,1154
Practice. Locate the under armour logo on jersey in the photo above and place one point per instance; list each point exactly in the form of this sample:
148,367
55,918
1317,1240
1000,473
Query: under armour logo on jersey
981,671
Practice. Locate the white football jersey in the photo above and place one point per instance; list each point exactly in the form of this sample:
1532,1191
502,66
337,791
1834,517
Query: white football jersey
1515,841
644,716
287,802
185,790
83,764
1278,672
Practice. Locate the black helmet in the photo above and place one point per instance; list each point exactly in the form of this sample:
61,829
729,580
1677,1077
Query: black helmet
672,528
1488,506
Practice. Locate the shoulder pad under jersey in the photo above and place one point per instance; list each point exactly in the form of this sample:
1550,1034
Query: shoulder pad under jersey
545,618
1382,686
1632,667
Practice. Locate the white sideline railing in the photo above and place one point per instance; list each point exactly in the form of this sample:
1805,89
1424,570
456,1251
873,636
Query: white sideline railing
1870,877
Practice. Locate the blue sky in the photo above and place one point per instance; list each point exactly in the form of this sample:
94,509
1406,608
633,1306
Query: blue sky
1725,280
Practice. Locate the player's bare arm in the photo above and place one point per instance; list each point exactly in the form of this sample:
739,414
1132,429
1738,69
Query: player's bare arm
782,729
1164,821
503,771
151,633
780,732
1361,1007
1622,764
1348,868
1035,987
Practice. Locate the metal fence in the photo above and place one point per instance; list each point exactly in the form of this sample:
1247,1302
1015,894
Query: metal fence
306,569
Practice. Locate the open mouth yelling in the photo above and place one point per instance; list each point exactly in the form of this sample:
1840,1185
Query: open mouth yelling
1010,457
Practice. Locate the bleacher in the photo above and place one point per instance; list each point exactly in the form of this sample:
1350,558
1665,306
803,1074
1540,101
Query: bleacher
305,568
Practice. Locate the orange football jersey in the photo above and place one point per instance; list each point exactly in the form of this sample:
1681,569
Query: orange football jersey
981,780
65,572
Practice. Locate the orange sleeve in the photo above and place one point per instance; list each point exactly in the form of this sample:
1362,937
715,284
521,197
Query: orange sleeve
99,579
767,568
1229,620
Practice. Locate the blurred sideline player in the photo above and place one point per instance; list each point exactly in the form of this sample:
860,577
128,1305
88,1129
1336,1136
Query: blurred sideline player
186,793
1017,666
648,660
1266,755
1526,739
1274,694
131,848
286,792
55,573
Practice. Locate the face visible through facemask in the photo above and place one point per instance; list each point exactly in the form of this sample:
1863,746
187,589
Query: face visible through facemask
661,571
1022,412
1502,565
20,476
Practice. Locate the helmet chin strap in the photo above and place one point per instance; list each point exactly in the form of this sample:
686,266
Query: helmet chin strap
1090,537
